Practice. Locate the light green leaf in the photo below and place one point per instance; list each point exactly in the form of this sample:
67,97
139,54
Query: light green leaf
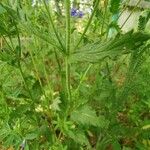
78,137
85,115
103,122
55,105
2,10
97,51
31,136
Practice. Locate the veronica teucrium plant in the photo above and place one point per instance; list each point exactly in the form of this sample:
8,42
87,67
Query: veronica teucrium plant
59,87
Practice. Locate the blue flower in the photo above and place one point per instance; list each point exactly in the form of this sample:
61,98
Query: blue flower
74,12
80,14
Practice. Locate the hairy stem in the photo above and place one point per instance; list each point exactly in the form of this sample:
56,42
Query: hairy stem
105,13
67,64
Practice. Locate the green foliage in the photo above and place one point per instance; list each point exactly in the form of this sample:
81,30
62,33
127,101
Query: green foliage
143,20
97,51
87,116
114,6
64,88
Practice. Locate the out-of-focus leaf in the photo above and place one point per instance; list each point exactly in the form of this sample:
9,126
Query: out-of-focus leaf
55,104
86,116
103,122
146,127
9,136
45,131
31,136
78,137
8,56
2,10
36,90
116,145
143,20
42,34
114,6
8,19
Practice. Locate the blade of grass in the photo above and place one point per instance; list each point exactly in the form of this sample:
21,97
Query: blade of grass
82,78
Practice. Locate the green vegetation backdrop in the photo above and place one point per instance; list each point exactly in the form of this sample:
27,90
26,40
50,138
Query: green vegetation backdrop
74,75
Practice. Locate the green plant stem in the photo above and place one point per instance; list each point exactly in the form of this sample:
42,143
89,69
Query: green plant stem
11,41
24,80
60,70
105,13
53,26
109,73
36,69
83,77
6,42
68,41
19,58
88,24
47,79
58,62
37,75
19,64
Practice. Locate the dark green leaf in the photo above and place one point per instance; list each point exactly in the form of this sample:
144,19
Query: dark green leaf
114,6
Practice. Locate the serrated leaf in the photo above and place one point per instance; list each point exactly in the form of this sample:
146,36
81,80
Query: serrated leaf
36,90
103,122
9,10
55,105
85,115
114,6
46,132
7,55
2,10
8,19
97,51
9,136
43,35
78,137
31,136
143,20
